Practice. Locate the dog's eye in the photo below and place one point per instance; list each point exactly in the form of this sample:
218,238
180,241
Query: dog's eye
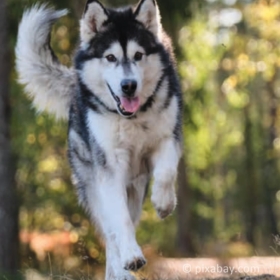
138,56
111,58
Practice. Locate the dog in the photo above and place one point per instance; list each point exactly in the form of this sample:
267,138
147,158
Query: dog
123,101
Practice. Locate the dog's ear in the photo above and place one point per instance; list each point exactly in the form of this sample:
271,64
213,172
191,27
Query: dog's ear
147,13
94,16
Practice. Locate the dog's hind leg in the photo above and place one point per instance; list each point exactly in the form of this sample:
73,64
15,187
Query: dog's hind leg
136,193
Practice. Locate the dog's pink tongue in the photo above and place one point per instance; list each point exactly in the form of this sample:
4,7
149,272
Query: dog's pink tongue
130,105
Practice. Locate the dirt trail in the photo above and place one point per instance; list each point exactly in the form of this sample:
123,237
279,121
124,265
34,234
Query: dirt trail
210,268
254,268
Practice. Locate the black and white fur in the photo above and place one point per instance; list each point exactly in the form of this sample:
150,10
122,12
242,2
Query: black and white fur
124,105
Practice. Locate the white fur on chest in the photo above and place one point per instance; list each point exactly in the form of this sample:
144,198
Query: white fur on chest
126,142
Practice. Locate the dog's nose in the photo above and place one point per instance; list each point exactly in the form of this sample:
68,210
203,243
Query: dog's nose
129,87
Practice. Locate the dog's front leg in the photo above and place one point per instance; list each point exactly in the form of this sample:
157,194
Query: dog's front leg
165,161
110,211
114,269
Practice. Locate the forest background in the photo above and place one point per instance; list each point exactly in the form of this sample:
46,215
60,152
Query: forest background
228,54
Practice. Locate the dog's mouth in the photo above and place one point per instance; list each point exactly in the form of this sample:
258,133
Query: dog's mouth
127,106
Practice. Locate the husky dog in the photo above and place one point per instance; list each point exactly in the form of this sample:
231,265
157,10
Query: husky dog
123,102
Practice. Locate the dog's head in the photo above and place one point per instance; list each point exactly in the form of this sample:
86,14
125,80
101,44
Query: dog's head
120,58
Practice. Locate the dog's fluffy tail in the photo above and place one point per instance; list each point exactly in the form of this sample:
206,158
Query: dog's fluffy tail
49,83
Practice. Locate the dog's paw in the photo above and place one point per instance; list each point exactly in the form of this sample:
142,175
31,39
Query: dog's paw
163,213
135,264
119,274
164,201
132,258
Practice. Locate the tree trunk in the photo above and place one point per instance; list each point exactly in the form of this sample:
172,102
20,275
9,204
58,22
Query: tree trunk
8,201
270,169
185,242
250,190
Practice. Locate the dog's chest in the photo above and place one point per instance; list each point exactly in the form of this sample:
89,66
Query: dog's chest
137,135
132,138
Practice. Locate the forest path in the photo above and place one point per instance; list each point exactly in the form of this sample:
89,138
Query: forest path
211,268
252,268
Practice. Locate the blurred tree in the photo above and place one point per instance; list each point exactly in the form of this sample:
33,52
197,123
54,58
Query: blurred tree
185,243
252,66
8,198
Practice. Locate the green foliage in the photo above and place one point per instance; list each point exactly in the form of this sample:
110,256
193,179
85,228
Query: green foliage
230,79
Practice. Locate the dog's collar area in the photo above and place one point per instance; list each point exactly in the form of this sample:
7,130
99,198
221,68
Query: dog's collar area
121,110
